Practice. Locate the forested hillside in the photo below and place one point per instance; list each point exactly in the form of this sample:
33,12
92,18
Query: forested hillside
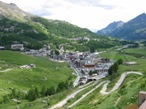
34,32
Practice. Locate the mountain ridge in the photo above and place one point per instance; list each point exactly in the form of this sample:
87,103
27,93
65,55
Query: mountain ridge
111,27
134,29
13,12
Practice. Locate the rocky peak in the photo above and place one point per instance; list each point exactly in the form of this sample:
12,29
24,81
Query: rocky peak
11,11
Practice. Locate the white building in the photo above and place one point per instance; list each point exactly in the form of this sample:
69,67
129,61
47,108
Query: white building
17,47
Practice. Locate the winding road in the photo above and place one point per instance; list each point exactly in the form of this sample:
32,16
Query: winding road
103,90
63,102
83,96
118,84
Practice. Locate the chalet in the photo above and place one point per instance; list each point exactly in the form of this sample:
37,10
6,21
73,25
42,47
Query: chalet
17,47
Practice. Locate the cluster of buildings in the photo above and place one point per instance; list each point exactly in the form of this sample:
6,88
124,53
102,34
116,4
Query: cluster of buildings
88,65
20,47
41,52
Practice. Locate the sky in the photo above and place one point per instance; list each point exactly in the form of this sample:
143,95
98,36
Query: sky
91,14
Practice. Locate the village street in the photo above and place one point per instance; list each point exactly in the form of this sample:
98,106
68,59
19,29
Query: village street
78,73
76,82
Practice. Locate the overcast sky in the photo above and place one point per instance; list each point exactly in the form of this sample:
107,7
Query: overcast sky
91,14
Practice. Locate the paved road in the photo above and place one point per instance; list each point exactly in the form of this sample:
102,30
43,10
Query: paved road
76,82
103,91
83,96
63,102
118,84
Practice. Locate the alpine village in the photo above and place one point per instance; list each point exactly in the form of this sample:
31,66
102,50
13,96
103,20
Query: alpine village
53,64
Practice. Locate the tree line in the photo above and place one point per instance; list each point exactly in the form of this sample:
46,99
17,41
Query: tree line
114,68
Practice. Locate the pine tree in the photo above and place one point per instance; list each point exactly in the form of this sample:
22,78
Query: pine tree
120,61
36,92
52,90
13,94
31,95
43,91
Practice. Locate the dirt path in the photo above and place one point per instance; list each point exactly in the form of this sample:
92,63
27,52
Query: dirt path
6,70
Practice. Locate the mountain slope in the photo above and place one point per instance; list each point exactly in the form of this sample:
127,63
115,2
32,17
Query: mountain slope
11,11
18,26
34,32
134,29
111,27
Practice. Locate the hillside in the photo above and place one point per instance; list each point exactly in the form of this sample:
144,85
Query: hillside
135,29
18,26
34,32
19,81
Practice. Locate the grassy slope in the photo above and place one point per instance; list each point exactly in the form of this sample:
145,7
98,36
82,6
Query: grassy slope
46,73
127,94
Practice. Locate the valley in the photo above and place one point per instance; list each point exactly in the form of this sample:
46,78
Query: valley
85,92
54,64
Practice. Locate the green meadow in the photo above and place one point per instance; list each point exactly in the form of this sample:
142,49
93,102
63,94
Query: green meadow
50,74
46,73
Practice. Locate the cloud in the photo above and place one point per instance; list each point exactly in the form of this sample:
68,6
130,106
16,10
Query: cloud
91,14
